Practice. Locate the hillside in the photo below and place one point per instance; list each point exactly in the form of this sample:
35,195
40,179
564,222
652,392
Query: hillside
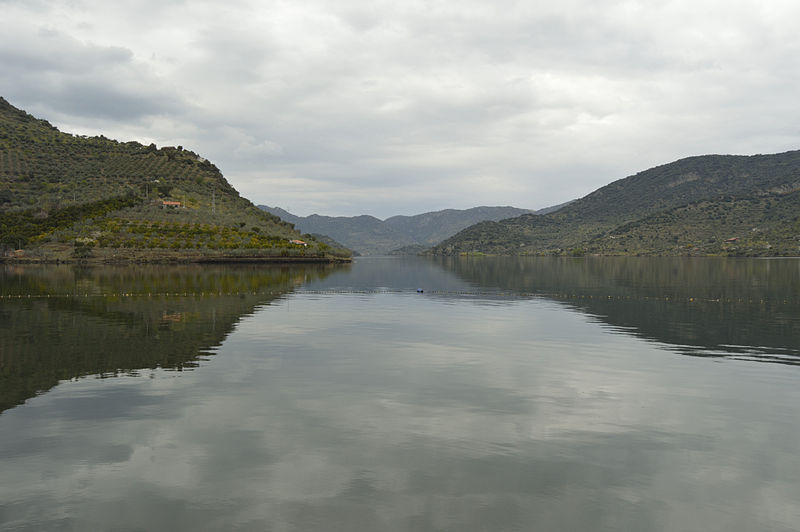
690,206
371,236
74,197
766,225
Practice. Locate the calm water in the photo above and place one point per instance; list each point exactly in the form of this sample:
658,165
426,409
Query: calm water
512,394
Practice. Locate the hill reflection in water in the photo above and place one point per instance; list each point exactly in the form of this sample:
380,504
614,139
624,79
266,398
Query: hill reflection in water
62,323
740,308
508,395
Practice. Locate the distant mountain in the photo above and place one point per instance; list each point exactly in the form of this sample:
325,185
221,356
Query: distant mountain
433,227
711,204
370,236
67,197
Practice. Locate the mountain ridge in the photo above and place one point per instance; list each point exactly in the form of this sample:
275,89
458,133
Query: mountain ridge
369,235
587,225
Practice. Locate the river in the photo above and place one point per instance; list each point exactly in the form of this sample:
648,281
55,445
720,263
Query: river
457,394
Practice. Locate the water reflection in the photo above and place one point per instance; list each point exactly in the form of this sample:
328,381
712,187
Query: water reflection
738,308
378,408
60,323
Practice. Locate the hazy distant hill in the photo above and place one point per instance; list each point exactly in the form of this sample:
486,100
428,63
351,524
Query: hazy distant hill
370,236
711,204
433,227
64,196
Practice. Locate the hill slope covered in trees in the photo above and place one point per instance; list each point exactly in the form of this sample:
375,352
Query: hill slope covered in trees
74,197
705,205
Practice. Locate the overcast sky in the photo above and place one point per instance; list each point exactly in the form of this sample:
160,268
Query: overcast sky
368,107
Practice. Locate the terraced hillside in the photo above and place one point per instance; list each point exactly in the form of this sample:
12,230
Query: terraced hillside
64,196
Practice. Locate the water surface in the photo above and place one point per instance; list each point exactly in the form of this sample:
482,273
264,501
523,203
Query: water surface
511,394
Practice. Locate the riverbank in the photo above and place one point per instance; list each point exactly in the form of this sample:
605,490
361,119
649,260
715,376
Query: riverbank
65,254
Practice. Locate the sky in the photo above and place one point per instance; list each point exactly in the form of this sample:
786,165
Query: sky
384,108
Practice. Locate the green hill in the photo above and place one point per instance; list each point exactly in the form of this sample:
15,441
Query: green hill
691,206
66,197
766,225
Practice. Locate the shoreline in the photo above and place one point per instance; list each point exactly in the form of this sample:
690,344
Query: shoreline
175,259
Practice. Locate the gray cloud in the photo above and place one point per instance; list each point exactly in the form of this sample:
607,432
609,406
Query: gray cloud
386,108
62,77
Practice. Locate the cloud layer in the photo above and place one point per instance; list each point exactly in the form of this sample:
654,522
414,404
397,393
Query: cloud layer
399,108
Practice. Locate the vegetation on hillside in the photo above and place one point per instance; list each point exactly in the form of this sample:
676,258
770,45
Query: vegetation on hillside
692,206
74,196
753,226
